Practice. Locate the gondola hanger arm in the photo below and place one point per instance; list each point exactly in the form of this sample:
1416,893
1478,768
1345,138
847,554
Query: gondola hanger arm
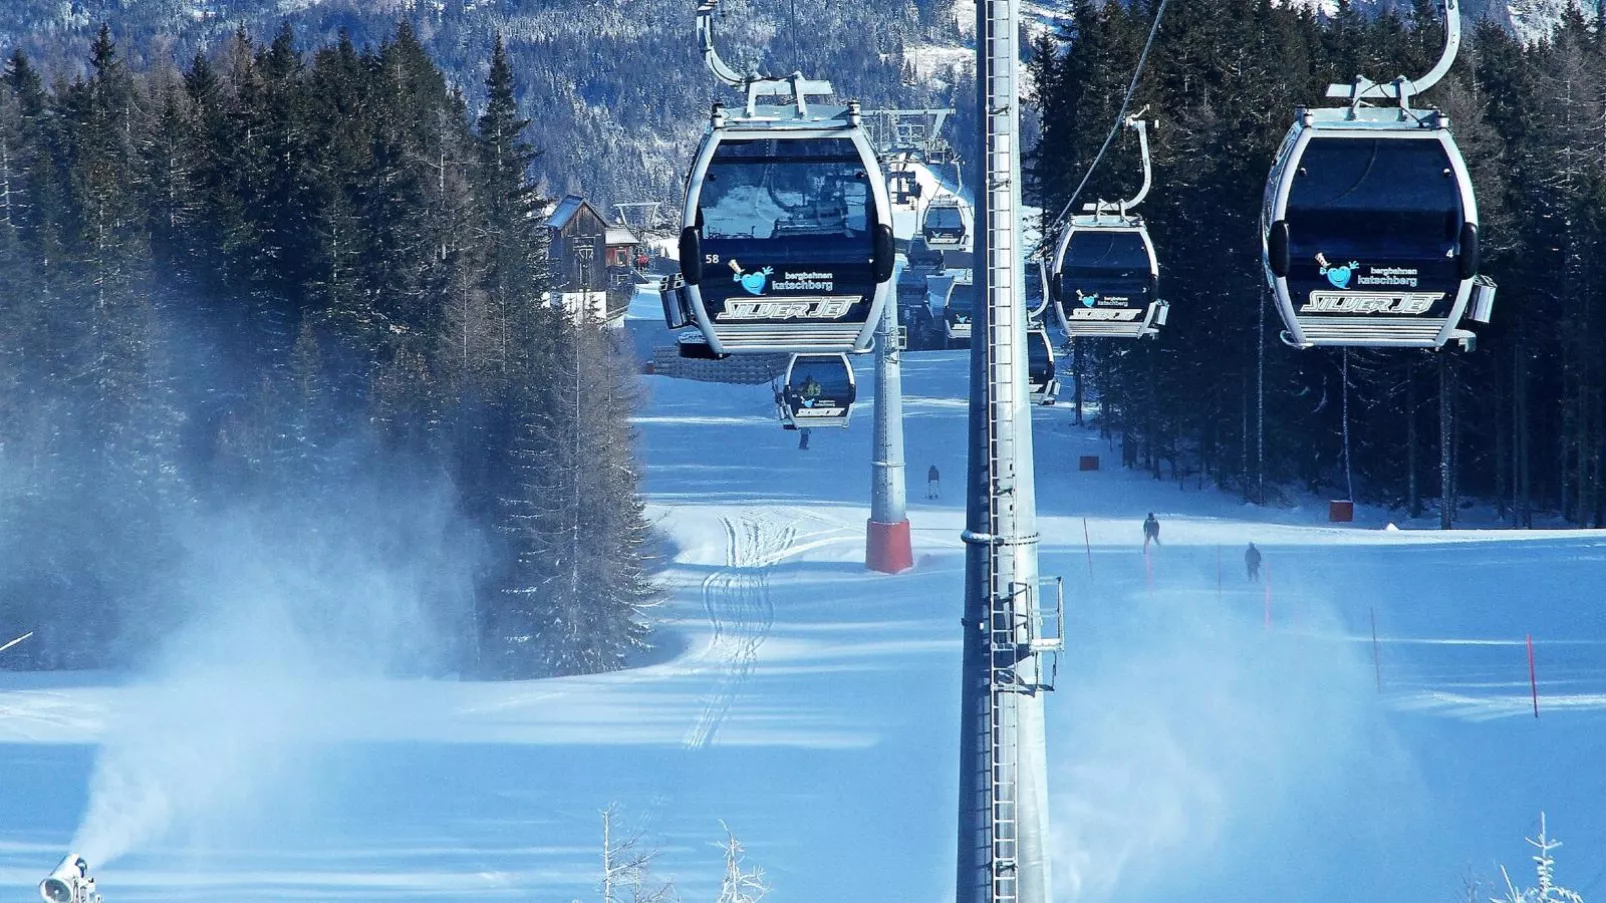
1139,125
755,85
1136,123
1402,89
705,36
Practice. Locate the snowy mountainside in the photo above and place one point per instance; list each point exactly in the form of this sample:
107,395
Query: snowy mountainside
1531,20
1535,19
617,90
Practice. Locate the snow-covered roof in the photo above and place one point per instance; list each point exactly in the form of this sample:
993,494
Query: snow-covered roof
566,209
621,235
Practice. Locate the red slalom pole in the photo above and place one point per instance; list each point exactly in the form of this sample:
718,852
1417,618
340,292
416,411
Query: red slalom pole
1218,575
1087,543
1533,682
1377,668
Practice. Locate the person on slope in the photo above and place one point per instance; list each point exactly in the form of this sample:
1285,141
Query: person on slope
1151,530
1252,562
933,483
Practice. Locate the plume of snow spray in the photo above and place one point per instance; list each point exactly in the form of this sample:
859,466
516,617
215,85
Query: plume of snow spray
284,604
1191,721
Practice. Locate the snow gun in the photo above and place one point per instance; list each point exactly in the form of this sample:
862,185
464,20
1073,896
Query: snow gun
69,883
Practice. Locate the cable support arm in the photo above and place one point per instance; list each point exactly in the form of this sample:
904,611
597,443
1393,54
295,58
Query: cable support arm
1136,123
1120,118
1142,128
755,85
1402,89
705,37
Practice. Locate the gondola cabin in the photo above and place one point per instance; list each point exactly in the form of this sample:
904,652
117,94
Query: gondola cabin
1371,231
943,226
914,311
1107,278
959,309
1040,370
819,391
787,243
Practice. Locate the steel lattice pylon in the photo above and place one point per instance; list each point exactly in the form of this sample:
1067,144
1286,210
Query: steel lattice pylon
1003,807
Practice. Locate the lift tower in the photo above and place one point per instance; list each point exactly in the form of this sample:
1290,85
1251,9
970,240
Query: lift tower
1003,806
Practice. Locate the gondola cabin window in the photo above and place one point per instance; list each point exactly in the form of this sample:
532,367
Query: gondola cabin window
758,190
944,219
1106,265
1374,197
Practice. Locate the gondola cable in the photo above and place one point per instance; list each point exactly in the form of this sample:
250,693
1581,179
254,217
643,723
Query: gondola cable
1120,119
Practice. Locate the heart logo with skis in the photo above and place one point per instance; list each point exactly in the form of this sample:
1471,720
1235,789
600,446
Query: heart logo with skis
1339,277
753,282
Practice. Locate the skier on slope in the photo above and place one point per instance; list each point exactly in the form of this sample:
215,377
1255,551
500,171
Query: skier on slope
933,483
1252,562
1151,530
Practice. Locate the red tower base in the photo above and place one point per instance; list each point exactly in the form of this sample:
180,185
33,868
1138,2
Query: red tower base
887,548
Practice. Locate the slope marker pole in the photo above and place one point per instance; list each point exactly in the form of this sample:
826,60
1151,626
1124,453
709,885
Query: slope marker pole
1087,541
1377,667
1533,681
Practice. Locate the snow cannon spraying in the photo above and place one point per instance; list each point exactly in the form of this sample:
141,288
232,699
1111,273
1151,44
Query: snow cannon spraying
69,883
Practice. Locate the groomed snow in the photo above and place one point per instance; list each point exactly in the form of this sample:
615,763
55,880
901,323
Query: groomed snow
1207,736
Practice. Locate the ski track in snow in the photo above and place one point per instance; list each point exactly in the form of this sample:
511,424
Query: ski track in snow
736,600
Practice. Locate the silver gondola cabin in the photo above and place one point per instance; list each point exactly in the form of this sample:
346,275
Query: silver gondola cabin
943,227
1106,277
1370,225
819,390
786,242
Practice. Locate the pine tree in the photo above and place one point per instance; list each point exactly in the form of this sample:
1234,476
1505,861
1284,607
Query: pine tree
578,525
512,234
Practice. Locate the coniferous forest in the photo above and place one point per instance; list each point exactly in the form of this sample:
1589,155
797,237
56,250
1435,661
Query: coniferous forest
1217,398
289,276
621,85
282,278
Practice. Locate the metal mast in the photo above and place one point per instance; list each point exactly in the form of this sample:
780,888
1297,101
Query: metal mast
887,545
1003,807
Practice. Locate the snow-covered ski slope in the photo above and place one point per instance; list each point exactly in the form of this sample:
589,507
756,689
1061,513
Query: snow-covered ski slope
1199,745
1208,734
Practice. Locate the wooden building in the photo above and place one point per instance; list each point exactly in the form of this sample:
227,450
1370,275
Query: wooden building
623,249
577,238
